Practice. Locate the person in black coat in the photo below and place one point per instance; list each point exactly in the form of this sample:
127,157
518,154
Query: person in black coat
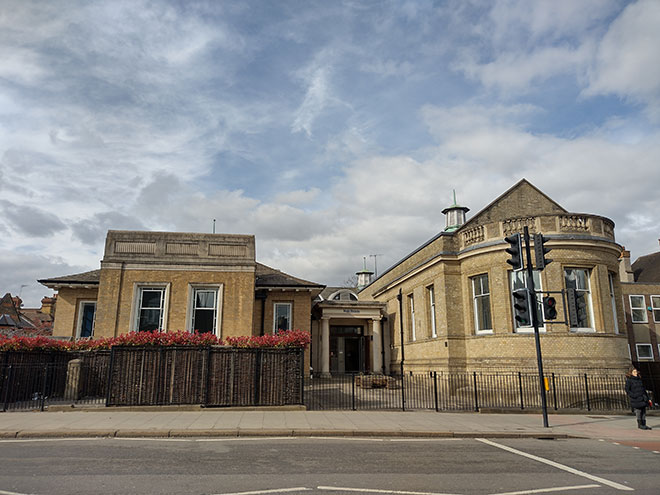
638,397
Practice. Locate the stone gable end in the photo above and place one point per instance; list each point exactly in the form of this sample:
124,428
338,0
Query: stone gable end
522,200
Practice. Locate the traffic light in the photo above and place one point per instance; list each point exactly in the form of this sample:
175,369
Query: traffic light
577,309
583,319
549,308
521,307
572,308
540,251
515,250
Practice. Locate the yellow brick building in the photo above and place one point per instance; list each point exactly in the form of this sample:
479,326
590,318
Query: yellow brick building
456,309
180,281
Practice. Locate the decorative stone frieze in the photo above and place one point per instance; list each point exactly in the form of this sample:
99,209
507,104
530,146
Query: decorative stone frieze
473,236
608,230
181,248
573,223
513,225
135,247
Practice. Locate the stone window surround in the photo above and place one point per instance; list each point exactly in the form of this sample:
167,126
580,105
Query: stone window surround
430,292
135,307
289,304
610,279
192,288
588,290
473,279
411,314
81,305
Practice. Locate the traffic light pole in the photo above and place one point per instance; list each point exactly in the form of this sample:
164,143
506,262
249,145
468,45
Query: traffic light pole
535,322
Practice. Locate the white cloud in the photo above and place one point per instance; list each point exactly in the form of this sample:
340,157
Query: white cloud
298,197
628,59
518,70
316,98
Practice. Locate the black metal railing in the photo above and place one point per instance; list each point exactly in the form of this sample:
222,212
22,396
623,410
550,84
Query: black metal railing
442,391
222,377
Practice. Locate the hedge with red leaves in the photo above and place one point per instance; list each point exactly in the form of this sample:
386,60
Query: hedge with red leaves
292,338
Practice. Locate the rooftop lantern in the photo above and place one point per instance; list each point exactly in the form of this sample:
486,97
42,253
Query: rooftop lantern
364,276
455,215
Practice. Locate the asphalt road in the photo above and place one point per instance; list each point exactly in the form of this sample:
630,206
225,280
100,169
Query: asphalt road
325,465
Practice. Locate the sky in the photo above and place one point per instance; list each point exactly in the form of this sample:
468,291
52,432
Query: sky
331,130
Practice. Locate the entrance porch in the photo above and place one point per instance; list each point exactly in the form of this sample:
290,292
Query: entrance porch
347,337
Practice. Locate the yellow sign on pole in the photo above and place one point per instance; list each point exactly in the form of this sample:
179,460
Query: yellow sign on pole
547,385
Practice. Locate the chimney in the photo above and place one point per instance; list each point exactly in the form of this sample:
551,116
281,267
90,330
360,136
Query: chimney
625,269
48,305
18,302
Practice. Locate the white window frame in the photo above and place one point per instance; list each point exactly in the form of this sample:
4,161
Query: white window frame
430,292
290,306
638,308
81,305
538,289
413,333
640,358
190,313
138,288
655,307
590,310
613,301
475,296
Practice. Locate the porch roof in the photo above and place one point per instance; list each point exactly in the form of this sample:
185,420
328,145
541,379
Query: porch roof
90,278
267,277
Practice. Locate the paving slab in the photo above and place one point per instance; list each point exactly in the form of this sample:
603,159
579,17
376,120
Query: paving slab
295,422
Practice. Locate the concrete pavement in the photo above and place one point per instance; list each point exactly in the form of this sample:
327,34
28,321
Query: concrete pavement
163,422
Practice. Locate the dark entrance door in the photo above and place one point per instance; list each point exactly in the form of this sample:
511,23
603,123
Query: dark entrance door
353,352
347,349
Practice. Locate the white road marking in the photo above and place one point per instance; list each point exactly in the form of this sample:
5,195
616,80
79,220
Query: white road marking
2,492
548,490
373,490
571,470
277,490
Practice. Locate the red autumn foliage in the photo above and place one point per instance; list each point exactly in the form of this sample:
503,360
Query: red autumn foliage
292,338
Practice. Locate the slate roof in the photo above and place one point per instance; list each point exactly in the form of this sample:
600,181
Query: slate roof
39,319
85,278
9,315
266,277
647,268
15,323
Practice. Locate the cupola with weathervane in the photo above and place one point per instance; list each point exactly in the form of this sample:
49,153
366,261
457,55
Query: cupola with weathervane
454,215
364,276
